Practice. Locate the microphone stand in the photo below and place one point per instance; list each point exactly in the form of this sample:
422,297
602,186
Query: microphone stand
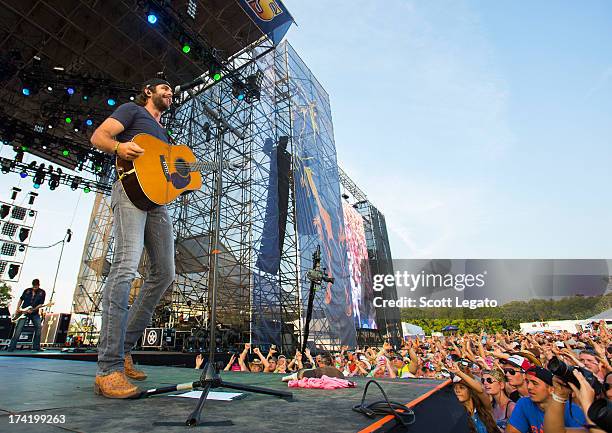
210,378
316,277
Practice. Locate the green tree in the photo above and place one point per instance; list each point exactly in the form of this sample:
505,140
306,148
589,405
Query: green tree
5,294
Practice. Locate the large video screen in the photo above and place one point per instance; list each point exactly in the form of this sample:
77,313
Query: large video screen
359,266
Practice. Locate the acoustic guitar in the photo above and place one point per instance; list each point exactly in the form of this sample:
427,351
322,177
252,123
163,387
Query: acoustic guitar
161,173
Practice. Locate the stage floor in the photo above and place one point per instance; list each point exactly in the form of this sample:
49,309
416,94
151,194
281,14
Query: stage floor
36,386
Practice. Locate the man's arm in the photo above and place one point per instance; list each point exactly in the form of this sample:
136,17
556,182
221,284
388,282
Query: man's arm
103,139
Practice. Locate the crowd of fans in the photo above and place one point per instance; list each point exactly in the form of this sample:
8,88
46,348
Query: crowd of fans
507,382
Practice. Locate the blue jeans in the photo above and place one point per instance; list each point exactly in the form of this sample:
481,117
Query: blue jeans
133,229
19,327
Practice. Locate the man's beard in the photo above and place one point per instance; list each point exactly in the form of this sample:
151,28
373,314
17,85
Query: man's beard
159,102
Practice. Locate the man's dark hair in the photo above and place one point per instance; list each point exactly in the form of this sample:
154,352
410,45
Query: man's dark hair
35,282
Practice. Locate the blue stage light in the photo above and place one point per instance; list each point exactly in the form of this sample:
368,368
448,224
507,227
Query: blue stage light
89,122
111,101
151,18
70,90
25,91
23,174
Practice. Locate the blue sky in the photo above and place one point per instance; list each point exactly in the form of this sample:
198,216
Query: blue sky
480,129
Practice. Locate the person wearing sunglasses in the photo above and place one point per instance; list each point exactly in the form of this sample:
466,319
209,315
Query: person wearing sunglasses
514,368
493,382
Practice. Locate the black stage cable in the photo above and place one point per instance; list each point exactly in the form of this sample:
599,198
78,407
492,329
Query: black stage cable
404,415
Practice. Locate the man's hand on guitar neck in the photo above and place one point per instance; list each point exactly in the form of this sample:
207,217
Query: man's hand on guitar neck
129,150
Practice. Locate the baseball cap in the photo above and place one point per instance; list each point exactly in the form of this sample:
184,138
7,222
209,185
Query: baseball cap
542,374
519,361
155,82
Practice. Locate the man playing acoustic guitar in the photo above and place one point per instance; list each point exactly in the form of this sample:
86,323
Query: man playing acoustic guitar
133,229
29,303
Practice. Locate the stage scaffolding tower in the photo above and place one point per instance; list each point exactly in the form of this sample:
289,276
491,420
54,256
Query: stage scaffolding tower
263,308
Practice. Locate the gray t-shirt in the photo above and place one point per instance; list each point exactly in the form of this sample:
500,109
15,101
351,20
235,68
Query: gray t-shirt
137,120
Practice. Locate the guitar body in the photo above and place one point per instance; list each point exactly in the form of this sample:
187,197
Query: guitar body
161,173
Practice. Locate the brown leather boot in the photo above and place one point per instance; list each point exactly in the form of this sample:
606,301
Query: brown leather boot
131,371
115,385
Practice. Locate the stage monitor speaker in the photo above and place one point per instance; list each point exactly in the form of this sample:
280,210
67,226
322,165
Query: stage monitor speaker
55,328
5,328
152,338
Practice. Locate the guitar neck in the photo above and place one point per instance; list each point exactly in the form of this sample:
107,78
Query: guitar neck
209,166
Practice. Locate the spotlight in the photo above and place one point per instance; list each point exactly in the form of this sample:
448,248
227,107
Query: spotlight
216,76
74,185
23,174
87,189
6,167
151,18
65,152
25,91
49,89
89,122
39,177
68,119
111,102
70,91
186,48
238,90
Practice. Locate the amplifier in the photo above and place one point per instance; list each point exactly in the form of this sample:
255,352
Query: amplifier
181,340
5,328
27,334
169,338
152,337
55,328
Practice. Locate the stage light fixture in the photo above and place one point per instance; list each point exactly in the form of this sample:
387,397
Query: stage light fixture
4,210
89,122
238,90
74,185
25,91
111,101
151,17
6,167
186,48
87,189
68,119
65,152
19,155
70,91
49,89
23,174
131,98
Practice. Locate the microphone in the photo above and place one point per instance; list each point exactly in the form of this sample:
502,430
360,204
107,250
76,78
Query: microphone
190,85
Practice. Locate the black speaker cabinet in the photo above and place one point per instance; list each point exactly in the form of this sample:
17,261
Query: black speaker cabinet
55,328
